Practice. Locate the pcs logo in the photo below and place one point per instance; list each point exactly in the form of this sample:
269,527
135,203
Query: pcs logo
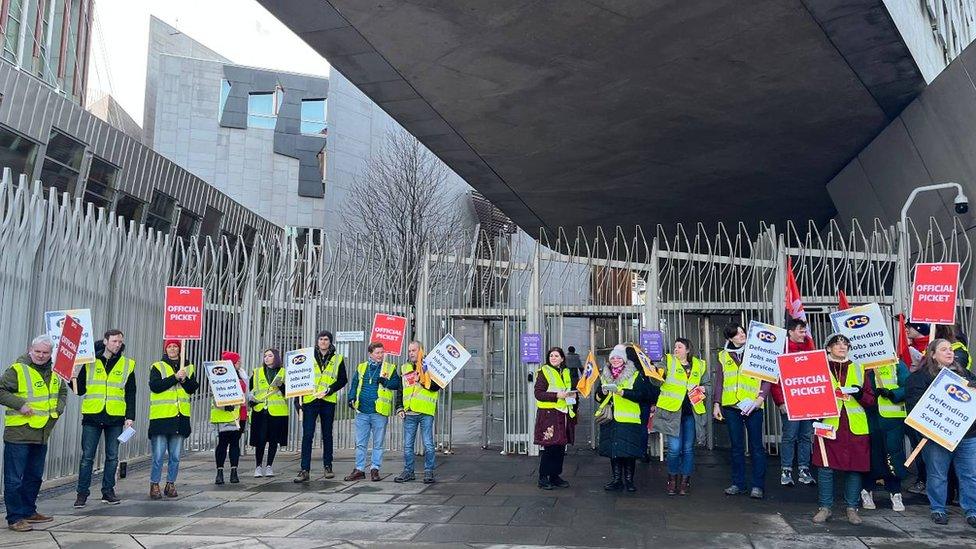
767,336
219,370
298,359
958,393
857,321
453,351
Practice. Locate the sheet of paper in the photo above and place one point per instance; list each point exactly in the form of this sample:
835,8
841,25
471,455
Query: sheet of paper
744,404
127,434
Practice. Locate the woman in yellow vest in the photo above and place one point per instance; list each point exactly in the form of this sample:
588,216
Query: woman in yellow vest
555,417
621,387
230,422
886,423
850,450
953,334
169,415
269,412
680,413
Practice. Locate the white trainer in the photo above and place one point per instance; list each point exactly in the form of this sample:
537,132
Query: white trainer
258,472
867,500
896,503
268,471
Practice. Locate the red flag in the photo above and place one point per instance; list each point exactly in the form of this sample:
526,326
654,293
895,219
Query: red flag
842,300
903,346
794,303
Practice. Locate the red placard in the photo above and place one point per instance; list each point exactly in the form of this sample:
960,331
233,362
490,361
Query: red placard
389,330
934,293
64,362
184,313
807,389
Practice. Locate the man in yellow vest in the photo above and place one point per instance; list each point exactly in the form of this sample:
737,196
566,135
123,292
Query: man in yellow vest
886,425
108,391
371,395
35,397
419,407
330,377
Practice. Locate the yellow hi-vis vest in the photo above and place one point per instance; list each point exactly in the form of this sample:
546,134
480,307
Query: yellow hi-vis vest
624,410
415,397
173,401
269,397
106,391
219,415
736,387
856,416
557,382
384,396
41,397
324,378
959,345
677,384
887,377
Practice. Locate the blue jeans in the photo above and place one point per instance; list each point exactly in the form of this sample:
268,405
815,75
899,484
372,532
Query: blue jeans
799,433
937,460
825,487
23,469
370,426
89,445
681,449
317,409
162,444
738,426
426,424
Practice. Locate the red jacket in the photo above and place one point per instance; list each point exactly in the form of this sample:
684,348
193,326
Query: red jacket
791,347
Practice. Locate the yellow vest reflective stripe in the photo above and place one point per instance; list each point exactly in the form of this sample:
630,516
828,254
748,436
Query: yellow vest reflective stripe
677,384
106,390
219,415
557,382
416,398
736,387
268,396
324,378
887,377
624,410
856,417
173,401
959,345
41,397
384,396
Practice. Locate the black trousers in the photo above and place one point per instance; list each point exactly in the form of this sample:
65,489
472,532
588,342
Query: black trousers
551,461
228,440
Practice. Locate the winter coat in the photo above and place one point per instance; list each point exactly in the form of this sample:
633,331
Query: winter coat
848,452
920,380
552,427
9,383
178,425
623,440
103,418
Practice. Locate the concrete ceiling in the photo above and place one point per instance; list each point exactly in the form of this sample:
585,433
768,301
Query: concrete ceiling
622,112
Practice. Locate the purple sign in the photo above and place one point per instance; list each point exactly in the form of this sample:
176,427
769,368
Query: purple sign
530,348
652,342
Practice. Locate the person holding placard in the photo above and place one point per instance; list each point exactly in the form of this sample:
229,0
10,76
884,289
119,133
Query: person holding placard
171,382
739,401
849,451
940,355
230,422
555,417
681,412
330,377
646,405
108,406
797,435
417,412
886,423
269,412
35,397
371,395
620,389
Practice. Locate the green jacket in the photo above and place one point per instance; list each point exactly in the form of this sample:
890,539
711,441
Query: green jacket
25,434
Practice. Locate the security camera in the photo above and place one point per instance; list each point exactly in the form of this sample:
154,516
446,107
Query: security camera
962,204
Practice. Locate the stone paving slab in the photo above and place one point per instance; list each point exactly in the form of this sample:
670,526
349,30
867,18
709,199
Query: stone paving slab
360,530
479,533
242,527
427,513
370,512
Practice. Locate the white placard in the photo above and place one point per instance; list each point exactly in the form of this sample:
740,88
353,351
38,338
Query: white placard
53,320
764,343
946,410
224,383
867,328
345,337
445,360
300,372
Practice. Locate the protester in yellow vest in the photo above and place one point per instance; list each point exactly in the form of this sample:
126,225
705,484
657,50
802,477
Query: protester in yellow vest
850,449
371,395
886,423
953,334
417,411
330,377
269,412
555,417
738,400
230,422
619,392
108,406
680,413
35,397
169,415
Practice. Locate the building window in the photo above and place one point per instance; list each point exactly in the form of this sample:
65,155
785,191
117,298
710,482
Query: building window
100,187
211,222
224,93
129,208
262,108
62,163
188,225
249,234
313,116
305,235
11,32
17,153
160,214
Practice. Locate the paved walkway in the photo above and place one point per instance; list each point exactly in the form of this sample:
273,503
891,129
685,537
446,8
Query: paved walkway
482,498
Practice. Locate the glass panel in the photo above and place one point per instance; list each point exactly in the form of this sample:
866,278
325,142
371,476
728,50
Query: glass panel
313,117
129,208
260,111
211,222
17,153
224,92
100,188
187,225
12,31
62,178
160,215
65,150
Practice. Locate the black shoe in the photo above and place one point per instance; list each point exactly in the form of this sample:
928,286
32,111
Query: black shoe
80,501
234,479
629,476
940,518
545,484
220,477
108,496
616,476
558,481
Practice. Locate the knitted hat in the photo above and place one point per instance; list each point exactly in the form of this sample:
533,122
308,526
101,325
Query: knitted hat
619,351
169,342
231,356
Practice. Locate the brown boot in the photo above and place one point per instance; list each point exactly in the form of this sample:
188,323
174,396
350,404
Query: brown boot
20,526
38,518
685,486
356,474
154,492
672,485
170,490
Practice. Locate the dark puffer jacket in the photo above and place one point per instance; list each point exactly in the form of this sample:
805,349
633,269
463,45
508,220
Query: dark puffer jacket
624,440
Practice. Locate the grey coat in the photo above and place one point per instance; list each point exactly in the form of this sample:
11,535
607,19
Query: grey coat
669,423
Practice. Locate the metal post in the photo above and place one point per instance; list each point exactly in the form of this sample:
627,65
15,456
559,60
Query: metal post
779,284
